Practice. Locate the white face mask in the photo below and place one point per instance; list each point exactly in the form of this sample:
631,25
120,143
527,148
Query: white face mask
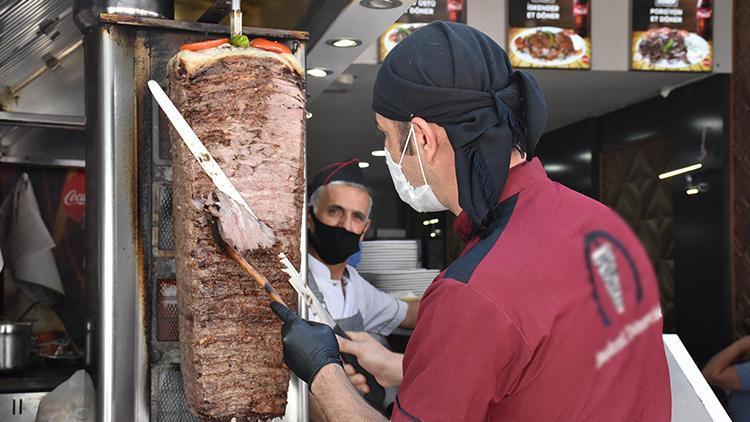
422,198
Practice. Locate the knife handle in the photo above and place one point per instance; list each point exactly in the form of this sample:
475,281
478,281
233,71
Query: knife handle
376,396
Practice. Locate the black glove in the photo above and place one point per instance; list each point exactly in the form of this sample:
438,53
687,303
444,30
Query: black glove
308,346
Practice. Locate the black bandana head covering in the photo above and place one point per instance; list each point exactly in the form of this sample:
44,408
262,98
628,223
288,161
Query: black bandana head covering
455,76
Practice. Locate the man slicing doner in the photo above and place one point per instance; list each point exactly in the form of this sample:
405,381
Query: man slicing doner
552,311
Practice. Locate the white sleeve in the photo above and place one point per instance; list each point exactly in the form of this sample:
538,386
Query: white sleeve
381,313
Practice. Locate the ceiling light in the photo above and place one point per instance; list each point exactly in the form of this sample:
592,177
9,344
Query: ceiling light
694,188
364,164
344,42
434,221
378,153
680,171
346,79
318,72
433,234
380,4
584,156
552,168
425,222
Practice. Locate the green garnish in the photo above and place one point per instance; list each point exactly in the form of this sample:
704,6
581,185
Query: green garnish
668,46
240,41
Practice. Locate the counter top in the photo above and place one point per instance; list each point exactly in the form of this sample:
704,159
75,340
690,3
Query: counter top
38,376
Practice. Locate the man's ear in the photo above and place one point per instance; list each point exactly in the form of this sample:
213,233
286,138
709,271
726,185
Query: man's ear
364,232
310,223
425,137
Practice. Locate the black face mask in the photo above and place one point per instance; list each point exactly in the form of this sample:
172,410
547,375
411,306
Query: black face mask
334,245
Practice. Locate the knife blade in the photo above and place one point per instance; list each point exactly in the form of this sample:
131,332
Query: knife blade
308,296
196,147
377,393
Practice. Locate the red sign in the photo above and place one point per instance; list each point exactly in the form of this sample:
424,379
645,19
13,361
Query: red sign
73,196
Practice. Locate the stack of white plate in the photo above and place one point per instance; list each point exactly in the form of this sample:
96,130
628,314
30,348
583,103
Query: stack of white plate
388,255
400,282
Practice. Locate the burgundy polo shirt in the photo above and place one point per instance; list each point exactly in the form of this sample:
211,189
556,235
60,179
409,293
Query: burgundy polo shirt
550,314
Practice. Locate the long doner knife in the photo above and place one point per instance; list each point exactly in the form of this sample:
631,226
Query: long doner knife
377,394
222,182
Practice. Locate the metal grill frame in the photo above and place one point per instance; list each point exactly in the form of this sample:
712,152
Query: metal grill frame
127,167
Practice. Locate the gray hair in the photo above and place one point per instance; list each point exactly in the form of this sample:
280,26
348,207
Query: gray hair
315,197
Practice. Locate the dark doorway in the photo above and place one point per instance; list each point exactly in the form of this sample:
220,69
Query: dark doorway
629,183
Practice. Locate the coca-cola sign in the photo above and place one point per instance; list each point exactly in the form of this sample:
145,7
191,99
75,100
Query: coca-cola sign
73,196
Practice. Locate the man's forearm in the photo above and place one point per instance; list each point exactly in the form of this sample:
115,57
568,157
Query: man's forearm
338,398
394,372
410,320
315,410
725,358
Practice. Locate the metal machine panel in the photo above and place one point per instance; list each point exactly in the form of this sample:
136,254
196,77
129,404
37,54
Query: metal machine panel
131,250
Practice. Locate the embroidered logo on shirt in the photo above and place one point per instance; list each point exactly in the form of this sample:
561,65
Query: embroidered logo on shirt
602,251
606,264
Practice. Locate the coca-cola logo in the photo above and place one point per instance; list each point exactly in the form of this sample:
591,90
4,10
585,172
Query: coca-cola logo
74,197
581,9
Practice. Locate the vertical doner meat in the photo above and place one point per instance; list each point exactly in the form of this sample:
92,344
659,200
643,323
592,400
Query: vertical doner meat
247,106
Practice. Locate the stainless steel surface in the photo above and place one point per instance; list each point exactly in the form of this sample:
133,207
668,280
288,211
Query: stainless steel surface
235,19
54,162
15,342
46,92
16,89
30,30
27,145
111,213
20,407
87,11
88,344
42,120
205,28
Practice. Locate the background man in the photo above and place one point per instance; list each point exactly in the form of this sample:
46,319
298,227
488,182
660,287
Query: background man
724,371
338,218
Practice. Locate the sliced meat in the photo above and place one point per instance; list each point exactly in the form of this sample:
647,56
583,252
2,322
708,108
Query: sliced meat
247,106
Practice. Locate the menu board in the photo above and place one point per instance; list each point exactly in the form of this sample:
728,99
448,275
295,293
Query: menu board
550,34
672,35
418,15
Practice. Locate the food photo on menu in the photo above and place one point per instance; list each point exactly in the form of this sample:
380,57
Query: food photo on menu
672,35
418,15
550,34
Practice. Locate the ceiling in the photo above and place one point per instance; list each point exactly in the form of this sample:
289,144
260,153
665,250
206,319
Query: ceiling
573,96
342,125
